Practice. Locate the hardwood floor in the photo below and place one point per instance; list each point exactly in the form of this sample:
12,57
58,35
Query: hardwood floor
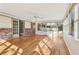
40,45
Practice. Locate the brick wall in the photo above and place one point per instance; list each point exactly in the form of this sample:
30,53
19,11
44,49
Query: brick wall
5,33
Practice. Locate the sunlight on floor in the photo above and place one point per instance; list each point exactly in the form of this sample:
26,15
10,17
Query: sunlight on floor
47,45
50,35
55,36
6,48
44,47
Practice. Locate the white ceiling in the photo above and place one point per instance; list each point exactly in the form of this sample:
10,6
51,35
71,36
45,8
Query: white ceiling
43,11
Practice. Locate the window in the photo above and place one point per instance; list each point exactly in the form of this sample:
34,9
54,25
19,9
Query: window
71,22
60,28
46,26
78,29
15,27
78,21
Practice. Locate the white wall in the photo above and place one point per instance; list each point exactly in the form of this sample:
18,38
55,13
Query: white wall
72,41
5,22
27,24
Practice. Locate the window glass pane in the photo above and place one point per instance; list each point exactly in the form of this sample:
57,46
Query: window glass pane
15,27
72,23
78,20
69,18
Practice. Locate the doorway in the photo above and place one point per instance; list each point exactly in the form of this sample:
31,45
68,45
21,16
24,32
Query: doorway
21,27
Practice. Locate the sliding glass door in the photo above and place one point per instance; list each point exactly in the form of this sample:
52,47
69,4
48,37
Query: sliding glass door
18,28
15,28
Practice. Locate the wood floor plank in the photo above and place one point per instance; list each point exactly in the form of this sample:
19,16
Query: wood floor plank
28,44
